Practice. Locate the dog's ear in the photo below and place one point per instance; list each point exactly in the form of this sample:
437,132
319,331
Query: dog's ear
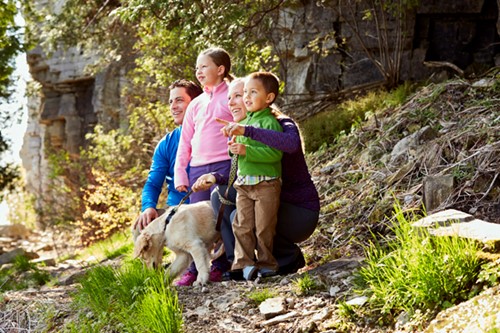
142,244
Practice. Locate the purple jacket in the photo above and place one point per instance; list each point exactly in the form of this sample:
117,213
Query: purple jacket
297,187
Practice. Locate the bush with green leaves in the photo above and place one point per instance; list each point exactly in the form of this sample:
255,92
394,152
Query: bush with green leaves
22,274
411,270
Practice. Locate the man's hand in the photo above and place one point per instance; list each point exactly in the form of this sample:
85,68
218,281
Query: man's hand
237,148
145,218
203,182
230,128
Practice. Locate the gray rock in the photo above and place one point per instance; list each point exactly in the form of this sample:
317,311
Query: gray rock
272,307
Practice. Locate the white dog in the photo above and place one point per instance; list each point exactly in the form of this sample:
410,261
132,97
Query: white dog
190,235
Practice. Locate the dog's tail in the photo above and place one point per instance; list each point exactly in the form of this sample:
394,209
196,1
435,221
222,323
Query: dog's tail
218,250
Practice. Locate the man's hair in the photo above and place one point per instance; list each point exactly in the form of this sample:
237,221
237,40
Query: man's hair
192,89
270,82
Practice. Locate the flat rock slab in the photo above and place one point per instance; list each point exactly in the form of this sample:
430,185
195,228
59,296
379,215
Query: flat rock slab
445,217
475,229
453,222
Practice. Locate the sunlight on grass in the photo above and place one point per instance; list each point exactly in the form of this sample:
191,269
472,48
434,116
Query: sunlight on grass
412,270
118,244
127,299
325,127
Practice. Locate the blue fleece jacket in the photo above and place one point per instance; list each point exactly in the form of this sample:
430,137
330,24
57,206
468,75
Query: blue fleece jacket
162,170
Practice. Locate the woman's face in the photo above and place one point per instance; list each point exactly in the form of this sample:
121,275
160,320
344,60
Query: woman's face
236,103
207,72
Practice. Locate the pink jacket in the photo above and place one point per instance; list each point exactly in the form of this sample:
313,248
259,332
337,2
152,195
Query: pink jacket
201,140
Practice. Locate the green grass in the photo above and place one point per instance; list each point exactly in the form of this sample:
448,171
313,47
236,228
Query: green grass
22,274
260,295
110,248
412,270
306,285
325,127
126,299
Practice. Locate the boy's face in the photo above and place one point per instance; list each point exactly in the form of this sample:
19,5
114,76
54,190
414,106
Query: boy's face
255,96
179,101
235,101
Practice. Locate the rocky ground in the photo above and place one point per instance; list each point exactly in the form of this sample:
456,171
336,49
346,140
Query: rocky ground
446,131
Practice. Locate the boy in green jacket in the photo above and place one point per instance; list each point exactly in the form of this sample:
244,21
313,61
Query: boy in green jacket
258,183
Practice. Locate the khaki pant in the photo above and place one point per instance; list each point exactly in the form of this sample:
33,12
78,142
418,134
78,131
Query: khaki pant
255,224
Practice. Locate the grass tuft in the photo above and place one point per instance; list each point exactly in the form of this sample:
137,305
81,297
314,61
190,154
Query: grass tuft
128,299
413,270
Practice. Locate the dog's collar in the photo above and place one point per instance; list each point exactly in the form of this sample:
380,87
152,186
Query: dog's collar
174,210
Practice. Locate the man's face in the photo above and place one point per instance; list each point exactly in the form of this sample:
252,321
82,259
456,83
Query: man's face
179,101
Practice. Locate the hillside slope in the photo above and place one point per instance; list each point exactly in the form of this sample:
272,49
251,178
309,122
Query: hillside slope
449,129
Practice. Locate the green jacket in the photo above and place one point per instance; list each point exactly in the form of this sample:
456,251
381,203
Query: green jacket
260,159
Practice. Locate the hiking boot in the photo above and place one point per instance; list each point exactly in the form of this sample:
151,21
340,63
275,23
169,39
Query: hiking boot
215,275
236,275
186,279
292,267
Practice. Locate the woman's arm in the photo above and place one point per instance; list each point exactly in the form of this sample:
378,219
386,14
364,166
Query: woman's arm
287,141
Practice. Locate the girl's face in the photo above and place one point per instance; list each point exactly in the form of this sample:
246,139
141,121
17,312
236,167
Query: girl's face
236,103
207,72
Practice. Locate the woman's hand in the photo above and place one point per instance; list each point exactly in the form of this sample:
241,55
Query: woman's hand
231,128
203,182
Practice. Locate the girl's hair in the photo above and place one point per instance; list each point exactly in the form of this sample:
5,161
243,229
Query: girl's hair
221,58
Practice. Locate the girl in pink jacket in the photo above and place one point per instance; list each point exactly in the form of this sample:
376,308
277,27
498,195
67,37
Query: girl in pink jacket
202,146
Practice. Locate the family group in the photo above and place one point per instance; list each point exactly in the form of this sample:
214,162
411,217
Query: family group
234,147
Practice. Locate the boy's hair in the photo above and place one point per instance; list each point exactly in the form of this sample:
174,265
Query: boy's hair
221,58
192,89
270,82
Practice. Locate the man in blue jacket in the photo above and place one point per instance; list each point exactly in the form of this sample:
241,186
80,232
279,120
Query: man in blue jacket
182,92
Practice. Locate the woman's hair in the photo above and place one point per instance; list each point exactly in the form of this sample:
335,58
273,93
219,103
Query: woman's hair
221,58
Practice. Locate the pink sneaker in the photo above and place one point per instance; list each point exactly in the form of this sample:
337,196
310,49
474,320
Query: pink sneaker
186,280
215,275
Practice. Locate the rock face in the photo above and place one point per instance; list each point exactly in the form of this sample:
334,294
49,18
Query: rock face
324,57
67,105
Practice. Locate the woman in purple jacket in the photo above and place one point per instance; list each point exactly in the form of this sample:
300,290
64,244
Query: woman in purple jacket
299,208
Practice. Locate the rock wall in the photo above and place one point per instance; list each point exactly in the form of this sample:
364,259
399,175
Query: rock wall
323,59
65,104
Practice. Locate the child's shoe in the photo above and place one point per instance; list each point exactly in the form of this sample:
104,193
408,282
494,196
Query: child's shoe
267,272
250,273
186,279
215,274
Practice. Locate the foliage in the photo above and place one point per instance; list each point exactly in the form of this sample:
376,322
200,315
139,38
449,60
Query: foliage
306,284
260,295
21,275
109,208
10,46
21,204
130,298
326,127
413,270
